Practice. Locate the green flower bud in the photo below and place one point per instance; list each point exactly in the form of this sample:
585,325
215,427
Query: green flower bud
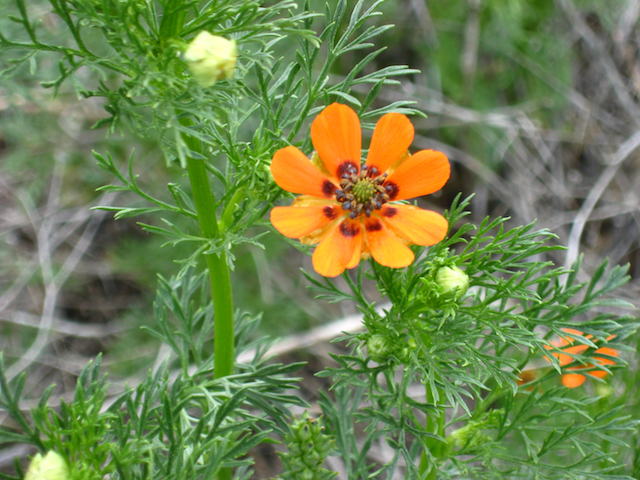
50,467
452,280
603,390
378,347
211,58
471,434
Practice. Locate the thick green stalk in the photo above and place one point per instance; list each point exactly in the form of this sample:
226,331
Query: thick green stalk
218,270
223,340
219,277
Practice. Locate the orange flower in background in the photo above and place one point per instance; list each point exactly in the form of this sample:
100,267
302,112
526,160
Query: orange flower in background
573,380
344,207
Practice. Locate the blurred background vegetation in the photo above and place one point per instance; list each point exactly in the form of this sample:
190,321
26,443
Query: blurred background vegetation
536,103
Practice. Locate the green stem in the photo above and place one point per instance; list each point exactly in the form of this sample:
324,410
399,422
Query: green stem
435,425
218,270
219,277
223,340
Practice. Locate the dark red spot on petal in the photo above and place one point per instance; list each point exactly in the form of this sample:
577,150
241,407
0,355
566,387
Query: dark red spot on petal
389,212
349,229
373,225
393,191
345,166
329,212
328,188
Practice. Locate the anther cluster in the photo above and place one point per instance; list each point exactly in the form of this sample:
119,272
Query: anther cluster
362,192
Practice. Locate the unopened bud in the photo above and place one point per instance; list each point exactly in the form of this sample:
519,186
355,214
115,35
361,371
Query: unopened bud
378,347
50,467
603,390
452,280
211,58
471,434
469,437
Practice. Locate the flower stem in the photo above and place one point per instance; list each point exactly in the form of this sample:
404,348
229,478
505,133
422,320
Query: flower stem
218,270
223,340
219,277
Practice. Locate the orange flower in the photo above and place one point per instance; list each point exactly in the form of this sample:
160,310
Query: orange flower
573,380
344,207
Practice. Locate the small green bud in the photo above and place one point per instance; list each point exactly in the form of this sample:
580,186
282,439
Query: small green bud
452,280
211,58
50,467
471,434
378,347
603,390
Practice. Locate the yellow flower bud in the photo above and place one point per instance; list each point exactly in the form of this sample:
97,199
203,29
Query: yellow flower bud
50,467
211,58
452,280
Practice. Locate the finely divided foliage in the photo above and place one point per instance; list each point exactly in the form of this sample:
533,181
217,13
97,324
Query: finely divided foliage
437,376
469,354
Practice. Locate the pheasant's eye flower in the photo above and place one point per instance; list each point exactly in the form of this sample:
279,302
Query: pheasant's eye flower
346,207
573,380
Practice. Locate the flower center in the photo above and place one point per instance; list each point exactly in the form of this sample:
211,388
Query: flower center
363,192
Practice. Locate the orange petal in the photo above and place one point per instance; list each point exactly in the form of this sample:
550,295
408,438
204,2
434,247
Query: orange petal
420,227
612,352
336,136
574,332
565,359
337,251
572,380
357,256
421,174
528,376
385,247
604,361
392,137
296,222
598,373
576,349
295,173
310,201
